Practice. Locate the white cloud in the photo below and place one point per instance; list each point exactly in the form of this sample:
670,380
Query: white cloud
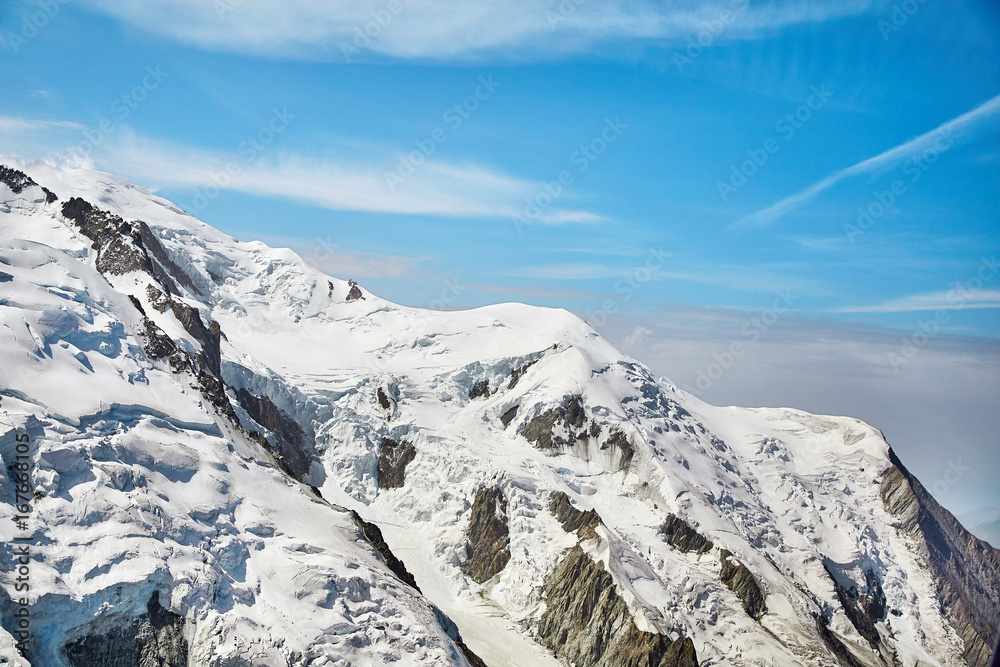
951,300
956,130
448,29
435,188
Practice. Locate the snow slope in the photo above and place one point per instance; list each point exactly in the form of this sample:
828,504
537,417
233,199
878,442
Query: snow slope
146,486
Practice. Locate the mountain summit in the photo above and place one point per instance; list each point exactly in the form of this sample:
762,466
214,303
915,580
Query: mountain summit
218,455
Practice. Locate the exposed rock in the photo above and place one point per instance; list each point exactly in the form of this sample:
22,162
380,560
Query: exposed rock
966,569
354,292
543,429
157,299
574,520
293,452
383,399
155,639
586,623
373,535
507,417
837,647
683,537
392,462
18,181
863,609
5,277
567,425
488,537
618,440
738,578
156,343
451,630
516,374
480,389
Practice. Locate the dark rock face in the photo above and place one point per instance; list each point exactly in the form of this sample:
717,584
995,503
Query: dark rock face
480,390
738,578
355,292
864,609
574,520
836,647
18,181
5,277
683,537
383,399
966,569
488,545
155,639
451,630
373,535
507,417
567,425
586,623
392,462
293,450
516,374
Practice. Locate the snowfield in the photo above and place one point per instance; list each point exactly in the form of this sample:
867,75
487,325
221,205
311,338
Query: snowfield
234,514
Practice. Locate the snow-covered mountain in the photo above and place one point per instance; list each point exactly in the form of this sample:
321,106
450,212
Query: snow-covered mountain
231,458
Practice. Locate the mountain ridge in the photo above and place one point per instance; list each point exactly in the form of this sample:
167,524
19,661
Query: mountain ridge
798,501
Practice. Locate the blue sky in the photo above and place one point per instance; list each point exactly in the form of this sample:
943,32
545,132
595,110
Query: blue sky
669,171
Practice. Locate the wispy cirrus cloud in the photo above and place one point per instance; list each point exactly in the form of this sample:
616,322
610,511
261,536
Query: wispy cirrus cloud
341,184
948,300
452,29
962,128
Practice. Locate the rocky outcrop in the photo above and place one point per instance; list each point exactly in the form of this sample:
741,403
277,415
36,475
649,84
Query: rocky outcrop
293,451
586,623
863,609
582,523
567,426
516,374
155,639
354,292
373,535
17,181
835,646
488,538
507,417
392,462
739,580
683,537
966,569
480,390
